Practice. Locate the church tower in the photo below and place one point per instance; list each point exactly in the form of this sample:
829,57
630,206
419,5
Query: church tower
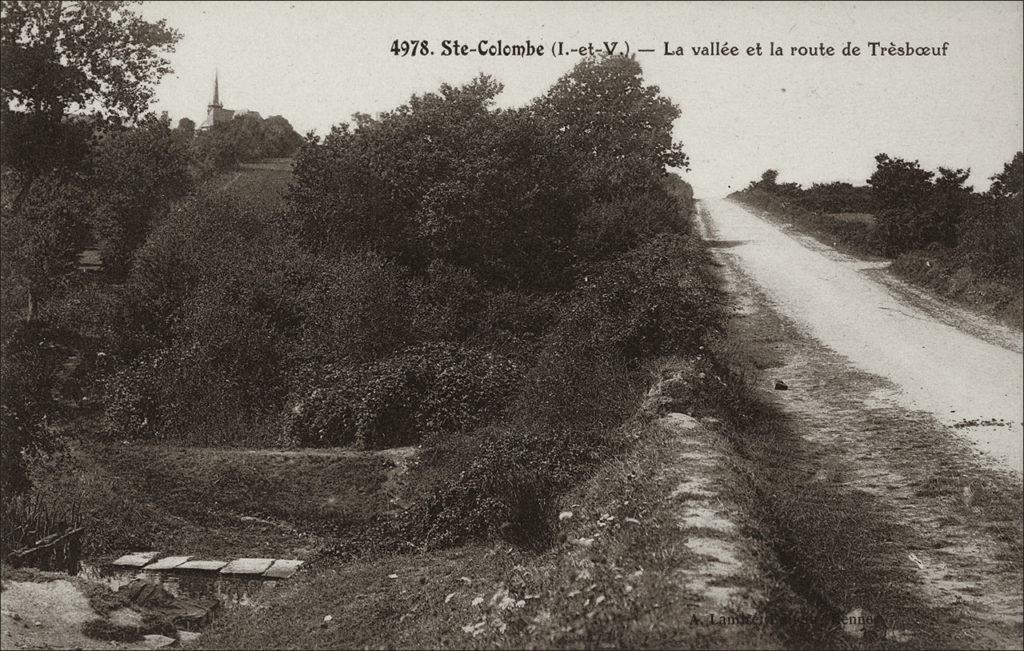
216,92
215,111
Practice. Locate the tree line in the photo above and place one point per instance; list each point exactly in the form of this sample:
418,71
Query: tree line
917,209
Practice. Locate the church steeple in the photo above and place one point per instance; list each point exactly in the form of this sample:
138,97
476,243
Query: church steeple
215,111
216,91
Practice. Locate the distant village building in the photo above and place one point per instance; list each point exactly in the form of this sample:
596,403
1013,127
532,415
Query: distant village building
217,114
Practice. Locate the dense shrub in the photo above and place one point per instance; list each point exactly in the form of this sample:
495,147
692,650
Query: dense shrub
608,229
39,244
354,307
992,238
436,389
135,175
213,306
659,298
838,197
586,381
132,399
504,482
29,363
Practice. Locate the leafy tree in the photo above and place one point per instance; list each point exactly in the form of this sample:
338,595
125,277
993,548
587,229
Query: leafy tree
136,174
187,127
1010,181
62,57
361,186
922,212
447,178
899,184
280,140
40,243
216,149
616,131
246,138
769,179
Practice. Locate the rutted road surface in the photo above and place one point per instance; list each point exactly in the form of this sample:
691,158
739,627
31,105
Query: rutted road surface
972,384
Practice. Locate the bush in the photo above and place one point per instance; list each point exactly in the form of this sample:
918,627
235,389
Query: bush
504,482
39,245
211,314
354,307
136,175
28,374
450,303
133,399
588,379
992,239
608,229
431,390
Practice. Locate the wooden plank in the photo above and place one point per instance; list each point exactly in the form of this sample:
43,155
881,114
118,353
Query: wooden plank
136,559
48,542
168,563
248,566
283,569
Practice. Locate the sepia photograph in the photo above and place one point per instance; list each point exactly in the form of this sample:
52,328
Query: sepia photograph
511,325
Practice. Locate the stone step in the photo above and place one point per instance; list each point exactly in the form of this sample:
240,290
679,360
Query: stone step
201,566
168,563
282,569
270,568
136,559
248,566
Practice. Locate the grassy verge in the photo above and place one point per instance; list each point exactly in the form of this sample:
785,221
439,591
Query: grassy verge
942,276
834,548
212,502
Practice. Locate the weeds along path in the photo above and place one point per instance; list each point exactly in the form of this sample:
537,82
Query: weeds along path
873,507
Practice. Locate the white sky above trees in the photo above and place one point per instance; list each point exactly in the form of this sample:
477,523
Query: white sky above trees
812,119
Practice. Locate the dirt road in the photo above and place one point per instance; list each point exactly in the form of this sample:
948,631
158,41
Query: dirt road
972,382
880,498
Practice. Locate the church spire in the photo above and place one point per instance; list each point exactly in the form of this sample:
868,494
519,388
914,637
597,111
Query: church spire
216,90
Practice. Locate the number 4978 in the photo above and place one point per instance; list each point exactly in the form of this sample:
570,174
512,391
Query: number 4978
410,48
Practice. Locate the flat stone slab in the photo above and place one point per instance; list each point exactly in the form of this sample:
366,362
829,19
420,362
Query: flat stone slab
136,559
248,566
202,566
282,569
168,563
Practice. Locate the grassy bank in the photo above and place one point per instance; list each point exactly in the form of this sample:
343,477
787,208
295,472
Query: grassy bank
946,277
615,574
217,503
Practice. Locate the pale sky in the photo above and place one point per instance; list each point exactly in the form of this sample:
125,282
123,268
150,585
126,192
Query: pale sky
814,119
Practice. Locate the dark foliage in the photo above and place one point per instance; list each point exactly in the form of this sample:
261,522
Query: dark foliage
486,283
244,139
